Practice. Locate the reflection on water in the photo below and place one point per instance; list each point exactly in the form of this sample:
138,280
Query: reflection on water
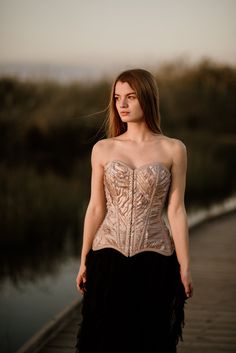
32,295
36,282
24,263
40,241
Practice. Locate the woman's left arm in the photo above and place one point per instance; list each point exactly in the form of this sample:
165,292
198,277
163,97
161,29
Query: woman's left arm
176,213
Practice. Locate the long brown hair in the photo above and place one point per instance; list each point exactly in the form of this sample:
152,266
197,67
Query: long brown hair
145,86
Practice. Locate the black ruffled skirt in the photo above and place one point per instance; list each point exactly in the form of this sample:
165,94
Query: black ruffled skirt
131,304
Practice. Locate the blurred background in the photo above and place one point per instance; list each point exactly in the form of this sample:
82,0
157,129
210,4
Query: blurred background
57,62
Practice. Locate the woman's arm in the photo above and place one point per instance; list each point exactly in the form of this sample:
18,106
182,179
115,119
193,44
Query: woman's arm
96,209
176,213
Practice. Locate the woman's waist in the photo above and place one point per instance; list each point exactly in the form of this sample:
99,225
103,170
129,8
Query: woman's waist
130,240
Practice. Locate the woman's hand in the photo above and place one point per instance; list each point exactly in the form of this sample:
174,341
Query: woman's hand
81,279
187,282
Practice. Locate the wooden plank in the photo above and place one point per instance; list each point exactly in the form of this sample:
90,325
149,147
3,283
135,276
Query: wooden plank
51,329
211,315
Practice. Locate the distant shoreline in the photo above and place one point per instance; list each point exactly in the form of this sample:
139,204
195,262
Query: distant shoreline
66,73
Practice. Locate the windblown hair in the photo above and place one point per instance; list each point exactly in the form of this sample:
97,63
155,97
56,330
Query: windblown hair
145,87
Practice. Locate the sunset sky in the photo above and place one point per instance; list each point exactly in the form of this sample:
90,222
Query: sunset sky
105,33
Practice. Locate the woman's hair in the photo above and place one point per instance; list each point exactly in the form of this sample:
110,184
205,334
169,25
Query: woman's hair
145,87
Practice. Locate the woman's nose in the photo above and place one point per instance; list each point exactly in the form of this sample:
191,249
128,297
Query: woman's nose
123,102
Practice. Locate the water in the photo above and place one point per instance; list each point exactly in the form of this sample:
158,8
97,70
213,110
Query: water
25,307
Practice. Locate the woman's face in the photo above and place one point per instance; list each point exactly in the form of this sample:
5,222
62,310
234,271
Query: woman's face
127,103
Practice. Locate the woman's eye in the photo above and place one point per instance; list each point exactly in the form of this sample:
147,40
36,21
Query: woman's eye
131,97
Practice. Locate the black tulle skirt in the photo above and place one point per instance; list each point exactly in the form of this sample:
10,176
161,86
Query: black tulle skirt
131,304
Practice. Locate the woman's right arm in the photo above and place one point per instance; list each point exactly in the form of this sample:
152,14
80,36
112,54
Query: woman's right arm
96,209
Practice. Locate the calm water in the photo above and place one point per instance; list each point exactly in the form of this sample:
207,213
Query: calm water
27,306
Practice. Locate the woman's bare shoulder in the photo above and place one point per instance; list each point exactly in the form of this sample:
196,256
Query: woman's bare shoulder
101,148
103,144
174,144
175,149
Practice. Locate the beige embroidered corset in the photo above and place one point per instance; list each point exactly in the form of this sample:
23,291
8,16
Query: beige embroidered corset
135,203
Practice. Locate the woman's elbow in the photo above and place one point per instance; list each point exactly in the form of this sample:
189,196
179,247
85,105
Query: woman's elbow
97,210
174,211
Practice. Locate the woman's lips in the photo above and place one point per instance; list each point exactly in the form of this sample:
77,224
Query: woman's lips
124,113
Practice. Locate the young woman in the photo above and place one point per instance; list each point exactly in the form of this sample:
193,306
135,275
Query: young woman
135,270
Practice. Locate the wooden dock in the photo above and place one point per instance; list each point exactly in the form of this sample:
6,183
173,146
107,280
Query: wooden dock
211,313
210,316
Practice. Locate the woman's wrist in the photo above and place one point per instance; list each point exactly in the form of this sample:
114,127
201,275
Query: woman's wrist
185,267
82,259
83,256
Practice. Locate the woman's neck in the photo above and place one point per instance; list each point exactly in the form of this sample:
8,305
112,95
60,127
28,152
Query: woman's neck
138,133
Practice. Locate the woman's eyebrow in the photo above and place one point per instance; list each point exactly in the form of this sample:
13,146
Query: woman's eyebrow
116,94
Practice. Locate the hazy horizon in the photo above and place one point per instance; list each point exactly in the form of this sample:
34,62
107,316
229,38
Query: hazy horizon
97,38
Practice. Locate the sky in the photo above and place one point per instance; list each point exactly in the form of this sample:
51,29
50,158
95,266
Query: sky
101,34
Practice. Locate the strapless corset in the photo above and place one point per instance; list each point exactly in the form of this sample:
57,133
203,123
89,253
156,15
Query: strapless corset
135,199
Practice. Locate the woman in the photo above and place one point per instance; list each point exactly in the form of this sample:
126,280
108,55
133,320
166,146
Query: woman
135,271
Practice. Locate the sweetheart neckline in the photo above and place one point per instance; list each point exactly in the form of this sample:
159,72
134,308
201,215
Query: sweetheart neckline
140,167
